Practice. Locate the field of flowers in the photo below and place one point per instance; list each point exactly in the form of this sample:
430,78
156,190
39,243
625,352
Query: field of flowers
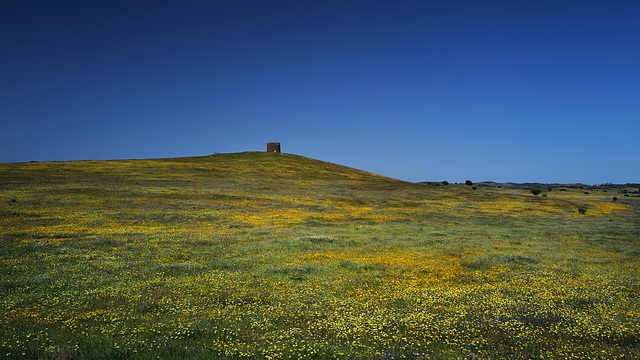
276,256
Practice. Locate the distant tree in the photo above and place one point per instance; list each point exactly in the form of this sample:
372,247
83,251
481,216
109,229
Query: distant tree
615,198
536,192
468,182
445,183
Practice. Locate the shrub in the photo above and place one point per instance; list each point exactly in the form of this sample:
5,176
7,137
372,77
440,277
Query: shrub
468,182
536,192
615,198
582,210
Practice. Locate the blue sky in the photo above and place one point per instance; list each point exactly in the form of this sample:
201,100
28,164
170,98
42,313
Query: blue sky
540,91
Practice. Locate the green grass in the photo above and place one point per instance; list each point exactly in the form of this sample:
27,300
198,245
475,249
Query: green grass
260,256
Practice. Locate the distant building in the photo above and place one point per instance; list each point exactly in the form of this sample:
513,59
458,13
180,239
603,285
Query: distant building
273,147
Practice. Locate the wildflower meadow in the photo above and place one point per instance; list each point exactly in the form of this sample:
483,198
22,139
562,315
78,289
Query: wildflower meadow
276,256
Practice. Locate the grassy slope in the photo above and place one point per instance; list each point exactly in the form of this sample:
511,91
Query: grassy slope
253,253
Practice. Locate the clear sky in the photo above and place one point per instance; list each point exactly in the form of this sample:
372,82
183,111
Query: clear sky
522,91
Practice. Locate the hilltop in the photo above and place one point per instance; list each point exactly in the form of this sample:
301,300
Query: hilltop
248,189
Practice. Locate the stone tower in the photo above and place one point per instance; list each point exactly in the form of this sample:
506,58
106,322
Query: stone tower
273,147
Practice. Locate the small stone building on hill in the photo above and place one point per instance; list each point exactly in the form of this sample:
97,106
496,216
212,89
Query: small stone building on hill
273,147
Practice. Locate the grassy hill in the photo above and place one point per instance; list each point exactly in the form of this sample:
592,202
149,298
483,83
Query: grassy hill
262,255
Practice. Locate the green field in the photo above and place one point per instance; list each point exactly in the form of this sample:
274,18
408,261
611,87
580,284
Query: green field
276,256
